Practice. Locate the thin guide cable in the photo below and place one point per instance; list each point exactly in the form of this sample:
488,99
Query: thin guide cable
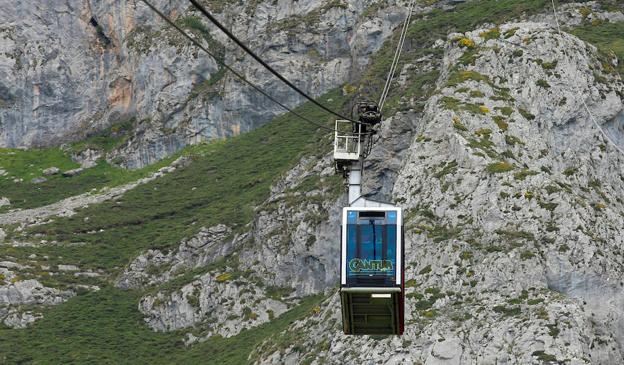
397,56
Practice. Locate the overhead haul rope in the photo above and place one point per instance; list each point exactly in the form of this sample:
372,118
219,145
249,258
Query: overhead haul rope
395,63
591,116
397,56
234,72
263,63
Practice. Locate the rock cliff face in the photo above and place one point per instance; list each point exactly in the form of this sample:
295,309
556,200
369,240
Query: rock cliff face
71,69
512,193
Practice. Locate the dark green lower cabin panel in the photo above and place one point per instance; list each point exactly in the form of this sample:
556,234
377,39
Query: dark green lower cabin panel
364,315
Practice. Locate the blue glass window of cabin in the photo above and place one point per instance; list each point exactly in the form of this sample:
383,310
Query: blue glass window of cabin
371,250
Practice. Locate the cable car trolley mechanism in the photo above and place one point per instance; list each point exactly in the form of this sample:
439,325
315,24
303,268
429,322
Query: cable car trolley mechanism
371,264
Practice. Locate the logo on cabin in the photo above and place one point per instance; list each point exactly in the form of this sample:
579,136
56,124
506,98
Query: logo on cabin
369,266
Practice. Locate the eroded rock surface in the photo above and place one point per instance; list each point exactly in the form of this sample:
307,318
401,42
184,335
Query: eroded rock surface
16,294
155,267
217,303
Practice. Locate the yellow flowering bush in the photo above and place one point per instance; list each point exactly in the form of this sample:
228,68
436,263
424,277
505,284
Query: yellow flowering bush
466,42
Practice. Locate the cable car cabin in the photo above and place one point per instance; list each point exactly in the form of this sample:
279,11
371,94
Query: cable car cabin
372,289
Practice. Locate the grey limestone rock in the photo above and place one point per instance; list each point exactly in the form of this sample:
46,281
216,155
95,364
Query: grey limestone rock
73,172
68,268
17,319
223,304
283,250
292,242
51,171
154,266
31,292
87,158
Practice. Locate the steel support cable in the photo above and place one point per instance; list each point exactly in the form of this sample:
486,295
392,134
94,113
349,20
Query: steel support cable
591,116
382,99
395,62
263,63
397,55
230,69
391,72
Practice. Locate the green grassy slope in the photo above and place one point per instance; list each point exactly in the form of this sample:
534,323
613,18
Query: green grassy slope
608,37
29,164
28,195
105,327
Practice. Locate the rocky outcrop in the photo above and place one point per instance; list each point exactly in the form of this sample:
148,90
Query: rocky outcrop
73,172
293,242
31,292
87,158
384,163
577,14
222,304
155,267
51,171
25,293
17,319
511,191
